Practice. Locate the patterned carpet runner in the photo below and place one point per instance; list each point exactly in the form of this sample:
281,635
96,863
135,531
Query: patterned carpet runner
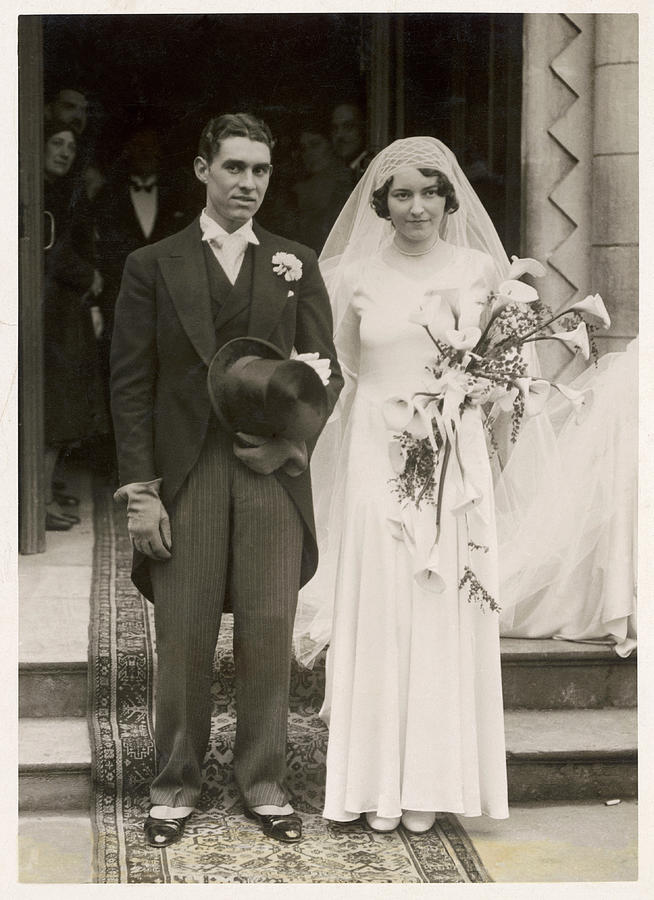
220,845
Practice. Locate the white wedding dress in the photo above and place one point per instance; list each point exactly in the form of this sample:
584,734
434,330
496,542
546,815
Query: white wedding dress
414,696
567,515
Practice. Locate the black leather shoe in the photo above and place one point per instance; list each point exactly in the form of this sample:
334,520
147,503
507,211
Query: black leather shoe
287,828
66,499
57,523
162,832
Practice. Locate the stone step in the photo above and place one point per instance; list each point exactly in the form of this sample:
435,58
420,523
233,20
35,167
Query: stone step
52,689
535,675
54,764
552,674
547,674
572,754
54,591
551,755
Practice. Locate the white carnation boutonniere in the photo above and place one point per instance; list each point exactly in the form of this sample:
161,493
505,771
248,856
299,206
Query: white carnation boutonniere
288,265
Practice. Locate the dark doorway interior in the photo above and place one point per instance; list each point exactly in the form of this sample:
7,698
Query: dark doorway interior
455,76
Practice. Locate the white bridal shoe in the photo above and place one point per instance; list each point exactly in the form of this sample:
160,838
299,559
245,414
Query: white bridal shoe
379,823
417,821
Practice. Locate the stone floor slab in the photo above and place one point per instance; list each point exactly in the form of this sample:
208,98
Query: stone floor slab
559,842
54,849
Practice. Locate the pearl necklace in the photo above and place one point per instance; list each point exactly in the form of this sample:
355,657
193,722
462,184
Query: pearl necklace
416,253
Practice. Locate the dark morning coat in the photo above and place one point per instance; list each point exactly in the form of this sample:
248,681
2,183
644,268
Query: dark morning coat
164,339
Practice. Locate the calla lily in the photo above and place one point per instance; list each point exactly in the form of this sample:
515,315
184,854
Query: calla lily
535,391
525,266
511,291
463,340
503,397
427,577
397,411
395,527
425,313
580,400
400,414
397,456
466,499
576,339
450,296
593,307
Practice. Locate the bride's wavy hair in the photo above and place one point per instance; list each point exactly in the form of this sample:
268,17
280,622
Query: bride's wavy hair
444,188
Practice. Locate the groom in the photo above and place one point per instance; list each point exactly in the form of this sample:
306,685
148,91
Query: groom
210,518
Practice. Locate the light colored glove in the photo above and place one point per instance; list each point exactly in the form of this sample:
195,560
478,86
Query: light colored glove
266,455
318,363
147,520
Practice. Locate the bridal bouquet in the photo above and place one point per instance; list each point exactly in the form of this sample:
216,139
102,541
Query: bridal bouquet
473,367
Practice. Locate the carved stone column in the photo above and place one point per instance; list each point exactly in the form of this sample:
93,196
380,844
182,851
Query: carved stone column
580,160
557,142
614,250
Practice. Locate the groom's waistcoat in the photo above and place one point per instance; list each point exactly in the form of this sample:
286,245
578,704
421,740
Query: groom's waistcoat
230,303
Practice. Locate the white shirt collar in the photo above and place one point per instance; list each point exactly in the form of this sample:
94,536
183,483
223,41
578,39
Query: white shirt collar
211,229
144,180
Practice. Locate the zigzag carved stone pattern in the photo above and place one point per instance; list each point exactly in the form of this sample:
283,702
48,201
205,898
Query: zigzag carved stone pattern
571,139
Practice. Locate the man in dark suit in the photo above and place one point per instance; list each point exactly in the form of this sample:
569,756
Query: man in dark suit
206,517
138,205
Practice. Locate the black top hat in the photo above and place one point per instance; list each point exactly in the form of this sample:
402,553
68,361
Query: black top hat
256,390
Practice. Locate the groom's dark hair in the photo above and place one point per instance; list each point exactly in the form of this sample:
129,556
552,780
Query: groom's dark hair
232,125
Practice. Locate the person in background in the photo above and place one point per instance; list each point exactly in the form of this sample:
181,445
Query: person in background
74,406
69,106
320,194
349,138
138,205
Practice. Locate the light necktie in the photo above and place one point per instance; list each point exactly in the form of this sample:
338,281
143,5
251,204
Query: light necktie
231,248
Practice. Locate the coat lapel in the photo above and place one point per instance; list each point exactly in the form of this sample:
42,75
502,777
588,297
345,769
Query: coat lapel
185,275
270,292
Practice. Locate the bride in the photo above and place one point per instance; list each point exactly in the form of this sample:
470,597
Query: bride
413,695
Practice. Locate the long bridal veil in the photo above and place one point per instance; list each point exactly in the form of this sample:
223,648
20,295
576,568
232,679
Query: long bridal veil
567,515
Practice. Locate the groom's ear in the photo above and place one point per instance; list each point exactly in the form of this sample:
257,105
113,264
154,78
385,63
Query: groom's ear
201,169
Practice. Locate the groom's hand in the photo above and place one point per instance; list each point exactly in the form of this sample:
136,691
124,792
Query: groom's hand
319,364
147,520
266,455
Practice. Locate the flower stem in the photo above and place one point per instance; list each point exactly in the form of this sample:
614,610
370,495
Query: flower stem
441,485
544,324
549,337
433,339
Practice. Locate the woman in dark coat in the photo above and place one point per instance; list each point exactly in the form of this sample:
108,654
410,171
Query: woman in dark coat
74,407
